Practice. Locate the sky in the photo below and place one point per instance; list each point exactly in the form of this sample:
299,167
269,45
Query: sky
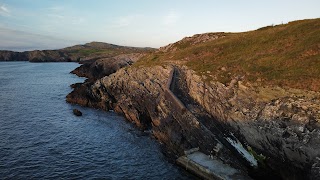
53,24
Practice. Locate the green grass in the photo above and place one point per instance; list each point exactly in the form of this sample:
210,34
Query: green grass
86,52
259,157
150,59
286,55
106,52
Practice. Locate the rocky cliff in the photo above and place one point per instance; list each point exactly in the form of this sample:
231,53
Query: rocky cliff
36,56
97,68
285,130
13,56
282,124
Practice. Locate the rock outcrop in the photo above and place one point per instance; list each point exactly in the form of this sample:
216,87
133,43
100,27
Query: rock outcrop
285,129
93,70
13,56
140,95
77,112
48,56
98,68
190,41
36,56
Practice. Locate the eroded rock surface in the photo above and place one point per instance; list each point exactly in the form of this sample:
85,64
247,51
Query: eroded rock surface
284,128
94,69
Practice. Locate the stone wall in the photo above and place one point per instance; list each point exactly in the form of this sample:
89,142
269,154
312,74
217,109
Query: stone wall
171,97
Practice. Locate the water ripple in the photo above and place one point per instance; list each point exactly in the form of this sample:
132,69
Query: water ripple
40,138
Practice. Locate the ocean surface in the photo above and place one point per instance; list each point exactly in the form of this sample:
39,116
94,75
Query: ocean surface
40,138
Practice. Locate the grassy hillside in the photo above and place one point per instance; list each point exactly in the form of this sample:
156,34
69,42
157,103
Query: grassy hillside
286,55
99,49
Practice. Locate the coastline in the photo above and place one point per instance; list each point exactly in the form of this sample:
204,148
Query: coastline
140,95
146,90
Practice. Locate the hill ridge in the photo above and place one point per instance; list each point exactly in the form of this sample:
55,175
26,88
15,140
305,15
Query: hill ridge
287,55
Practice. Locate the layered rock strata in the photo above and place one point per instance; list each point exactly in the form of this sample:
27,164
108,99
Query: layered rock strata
282,125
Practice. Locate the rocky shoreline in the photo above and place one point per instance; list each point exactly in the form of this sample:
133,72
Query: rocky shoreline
280,127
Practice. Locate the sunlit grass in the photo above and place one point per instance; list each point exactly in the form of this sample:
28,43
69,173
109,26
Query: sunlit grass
285,55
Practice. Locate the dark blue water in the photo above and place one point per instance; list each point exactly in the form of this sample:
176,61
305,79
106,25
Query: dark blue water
40,138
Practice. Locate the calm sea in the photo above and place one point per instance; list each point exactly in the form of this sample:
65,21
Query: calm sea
40,138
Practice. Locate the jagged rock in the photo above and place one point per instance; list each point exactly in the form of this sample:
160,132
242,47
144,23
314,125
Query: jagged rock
139,94
77,112
315,169
279,128
98,68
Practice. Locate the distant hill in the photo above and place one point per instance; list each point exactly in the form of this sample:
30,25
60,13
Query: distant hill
287,55
89,51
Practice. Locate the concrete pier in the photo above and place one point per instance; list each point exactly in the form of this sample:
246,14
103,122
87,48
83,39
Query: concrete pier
208,168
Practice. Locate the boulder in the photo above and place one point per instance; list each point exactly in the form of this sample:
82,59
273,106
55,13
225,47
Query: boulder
77,112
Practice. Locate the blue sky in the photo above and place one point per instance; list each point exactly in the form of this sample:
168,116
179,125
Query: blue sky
50,24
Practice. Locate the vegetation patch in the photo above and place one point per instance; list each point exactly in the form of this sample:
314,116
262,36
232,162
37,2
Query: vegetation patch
285,55
259,157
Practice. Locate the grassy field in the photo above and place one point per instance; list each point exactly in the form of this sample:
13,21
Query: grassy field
109,51
286,55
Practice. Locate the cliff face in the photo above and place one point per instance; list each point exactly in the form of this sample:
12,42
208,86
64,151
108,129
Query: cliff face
284,129
282,124
96,69
93,70
13,56
48,56
141,95
36,56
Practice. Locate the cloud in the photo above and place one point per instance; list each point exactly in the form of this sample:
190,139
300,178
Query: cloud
4,11
171,18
